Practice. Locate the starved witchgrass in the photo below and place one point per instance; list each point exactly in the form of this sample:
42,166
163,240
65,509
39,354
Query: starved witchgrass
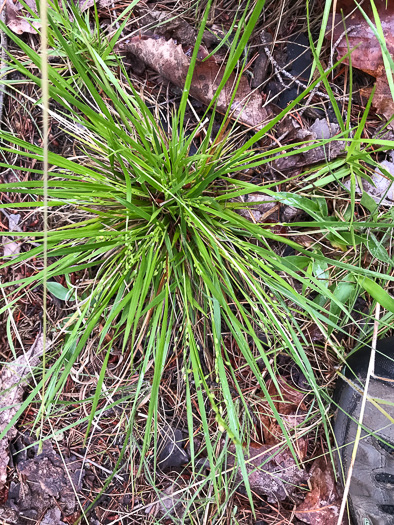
169,267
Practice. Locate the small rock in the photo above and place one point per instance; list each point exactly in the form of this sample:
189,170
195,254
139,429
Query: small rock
323,129
172,454
52,517
11,248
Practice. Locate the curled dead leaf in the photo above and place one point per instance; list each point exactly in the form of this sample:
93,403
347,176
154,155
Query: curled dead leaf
319,130
266,209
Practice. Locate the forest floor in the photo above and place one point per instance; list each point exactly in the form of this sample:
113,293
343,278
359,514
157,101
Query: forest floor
122,424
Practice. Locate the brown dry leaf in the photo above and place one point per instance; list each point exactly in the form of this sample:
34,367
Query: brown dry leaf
321,505
346,5
290,406
291,401
17,18
368,55
292,410
271,472
171,62
314,334
319,130
304,240
12,385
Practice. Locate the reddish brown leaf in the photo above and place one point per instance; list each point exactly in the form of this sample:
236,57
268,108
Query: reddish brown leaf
321,505
368,54
290,401
172,62
346,5
291,408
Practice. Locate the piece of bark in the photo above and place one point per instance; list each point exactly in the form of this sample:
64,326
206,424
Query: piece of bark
260,69
48,484
172,62
13,381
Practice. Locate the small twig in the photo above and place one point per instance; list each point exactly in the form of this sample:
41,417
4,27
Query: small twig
97,465
279,71
336,44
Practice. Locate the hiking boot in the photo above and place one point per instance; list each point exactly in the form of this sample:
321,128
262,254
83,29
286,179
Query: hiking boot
371,494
